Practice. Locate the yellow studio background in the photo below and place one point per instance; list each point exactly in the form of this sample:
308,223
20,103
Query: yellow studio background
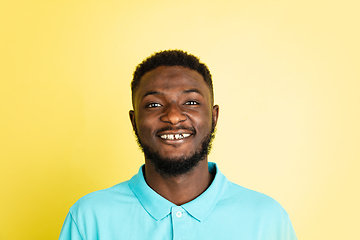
286,77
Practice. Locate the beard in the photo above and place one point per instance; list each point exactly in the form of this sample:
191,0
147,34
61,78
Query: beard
171,166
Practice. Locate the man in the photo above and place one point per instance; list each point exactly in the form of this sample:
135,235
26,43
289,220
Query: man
177,194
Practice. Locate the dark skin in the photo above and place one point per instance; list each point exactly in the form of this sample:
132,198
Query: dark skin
173,97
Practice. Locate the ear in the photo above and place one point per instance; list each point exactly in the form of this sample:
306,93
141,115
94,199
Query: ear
215,114
132,119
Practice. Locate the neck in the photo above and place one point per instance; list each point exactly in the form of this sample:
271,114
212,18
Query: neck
182,188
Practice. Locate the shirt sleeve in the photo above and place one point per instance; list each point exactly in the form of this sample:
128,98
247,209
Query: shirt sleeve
70,230
290,233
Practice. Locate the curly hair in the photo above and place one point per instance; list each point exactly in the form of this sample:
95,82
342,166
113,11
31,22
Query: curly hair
171,58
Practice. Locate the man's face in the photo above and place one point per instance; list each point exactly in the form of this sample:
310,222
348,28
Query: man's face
173,113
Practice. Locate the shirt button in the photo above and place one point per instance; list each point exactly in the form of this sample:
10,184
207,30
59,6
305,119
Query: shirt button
178,214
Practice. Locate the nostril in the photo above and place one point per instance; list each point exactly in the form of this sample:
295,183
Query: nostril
173,115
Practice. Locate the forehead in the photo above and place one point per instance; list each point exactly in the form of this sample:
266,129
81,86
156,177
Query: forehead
173,78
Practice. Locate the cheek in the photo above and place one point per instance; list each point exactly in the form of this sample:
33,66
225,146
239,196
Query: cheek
203,121
145,127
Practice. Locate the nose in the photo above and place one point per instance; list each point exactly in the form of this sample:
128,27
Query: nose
173,114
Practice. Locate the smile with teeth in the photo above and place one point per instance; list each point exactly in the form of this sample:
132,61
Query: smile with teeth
175,136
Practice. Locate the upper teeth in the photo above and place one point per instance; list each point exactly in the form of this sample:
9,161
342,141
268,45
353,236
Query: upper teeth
175,136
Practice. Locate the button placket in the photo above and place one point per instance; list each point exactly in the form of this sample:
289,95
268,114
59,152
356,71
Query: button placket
179,223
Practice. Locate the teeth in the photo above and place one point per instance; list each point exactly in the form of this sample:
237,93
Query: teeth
175,136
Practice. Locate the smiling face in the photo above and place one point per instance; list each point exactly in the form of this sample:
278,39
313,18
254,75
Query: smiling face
173,113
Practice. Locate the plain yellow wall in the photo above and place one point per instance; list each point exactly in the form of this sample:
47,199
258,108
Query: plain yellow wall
286,76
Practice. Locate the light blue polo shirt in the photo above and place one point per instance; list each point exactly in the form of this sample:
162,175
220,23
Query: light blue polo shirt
132,210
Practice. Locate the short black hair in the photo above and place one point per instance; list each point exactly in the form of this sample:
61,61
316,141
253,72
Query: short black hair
171,58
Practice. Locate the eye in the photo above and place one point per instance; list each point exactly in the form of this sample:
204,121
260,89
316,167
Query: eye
191,103
153,105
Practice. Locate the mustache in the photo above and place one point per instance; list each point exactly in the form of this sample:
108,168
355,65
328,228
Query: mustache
169,128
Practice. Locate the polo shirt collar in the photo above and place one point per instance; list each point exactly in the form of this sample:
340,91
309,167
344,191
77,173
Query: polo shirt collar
159,207
203,205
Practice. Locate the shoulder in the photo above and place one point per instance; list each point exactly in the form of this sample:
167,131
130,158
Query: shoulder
104,209
251,201
103,200
260,213
243,200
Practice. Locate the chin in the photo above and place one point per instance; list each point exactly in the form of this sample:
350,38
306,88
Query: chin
176,157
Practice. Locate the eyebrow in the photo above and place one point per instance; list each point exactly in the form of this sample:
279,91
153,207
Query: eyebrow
151,93
192,90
